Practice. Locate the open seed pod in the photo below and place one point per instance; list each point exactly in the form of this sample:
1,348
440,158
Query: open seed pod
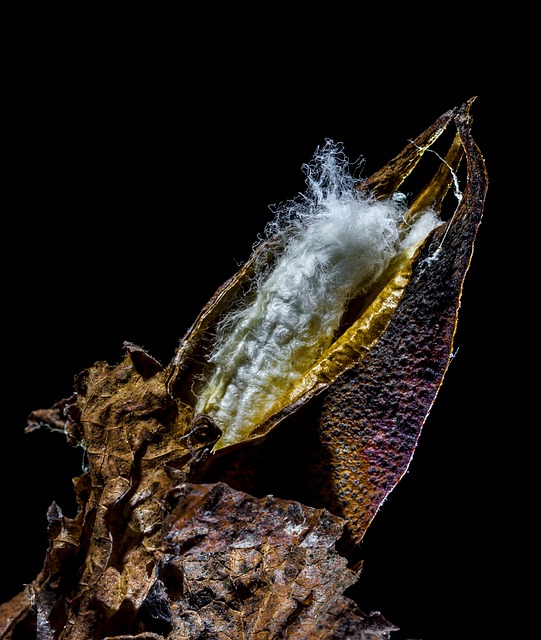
343,435
193,522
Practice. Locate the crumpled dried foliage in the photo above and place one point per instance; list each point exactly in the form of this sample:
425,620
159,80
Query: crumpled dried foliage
171,541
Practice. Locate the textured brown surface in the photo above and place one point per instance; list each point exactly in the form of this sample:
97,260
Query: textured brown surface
251,568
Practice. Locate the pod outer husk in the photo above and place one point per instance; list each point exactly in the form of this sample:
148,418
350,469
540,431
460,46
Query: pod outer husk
394,388
347,447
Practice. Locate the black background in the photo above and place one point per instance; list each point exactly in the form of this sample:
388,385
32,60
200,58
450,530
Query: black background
143,166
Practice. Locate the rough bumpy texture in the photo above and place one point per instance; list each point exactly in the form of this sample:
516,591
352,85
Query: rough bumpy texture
275,574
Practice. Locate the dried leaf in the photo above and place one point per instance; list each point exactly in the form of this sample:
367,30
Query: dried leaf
138,443
242,567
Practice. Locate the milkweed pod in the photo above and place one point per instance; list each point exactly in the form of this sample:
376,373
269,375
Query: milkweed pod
365,377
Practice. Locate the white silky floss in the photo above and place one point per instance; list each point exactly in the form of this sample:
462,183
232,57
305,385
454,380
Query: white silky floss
339,242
